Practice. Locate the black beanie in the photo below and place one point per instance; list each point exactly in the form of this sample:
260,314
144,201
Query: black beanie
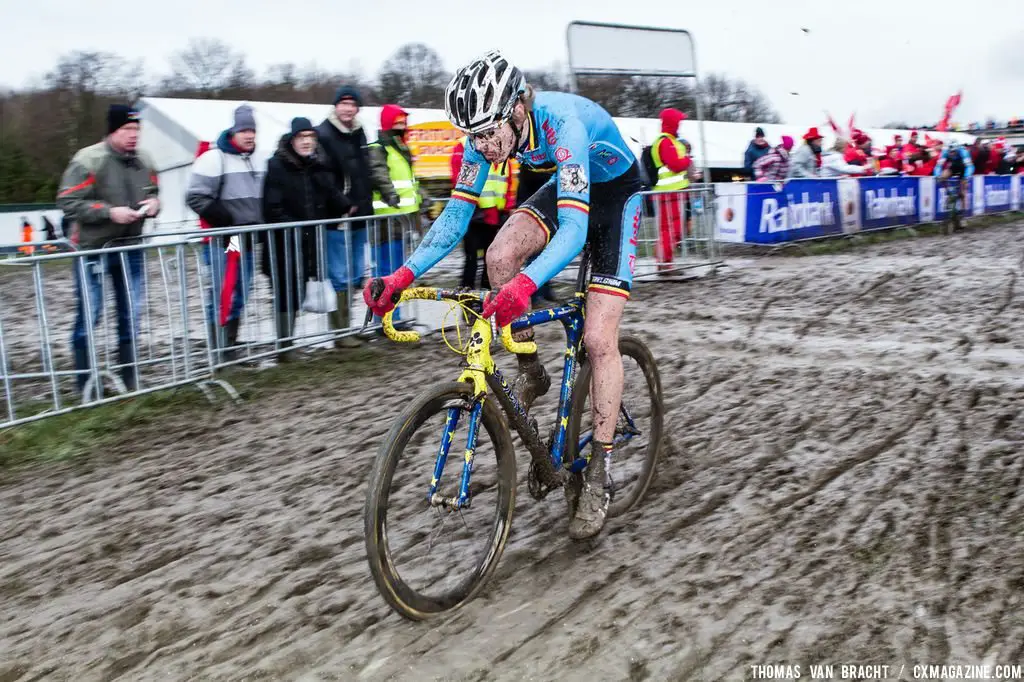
301,124
120,115
348,92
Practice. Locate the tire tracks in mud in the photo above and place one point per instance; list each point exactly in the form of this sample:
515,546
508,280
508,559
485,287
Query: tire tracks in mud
882,279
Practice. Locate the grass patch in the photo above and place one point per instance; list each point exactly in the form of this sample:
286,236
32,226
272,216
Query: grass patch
92,430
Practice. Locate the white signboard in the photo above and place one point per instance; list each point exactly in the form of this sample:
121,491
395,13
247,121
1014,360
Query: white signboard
613,49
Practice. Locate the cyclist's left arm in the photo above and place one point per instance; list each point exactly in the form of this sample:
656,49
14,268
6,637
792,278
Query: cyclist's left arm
574,181
451,225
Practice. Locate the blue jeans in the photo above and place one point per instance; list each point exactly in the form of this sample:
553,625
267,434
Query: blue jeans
215,259
128,295
339,256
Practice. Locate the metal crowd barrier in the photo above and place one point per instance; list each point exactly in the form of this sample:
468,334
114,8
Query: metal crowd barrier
172,288
677,234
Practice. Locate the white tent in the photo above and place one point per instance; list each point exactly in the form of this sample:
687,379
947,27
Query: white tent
172,129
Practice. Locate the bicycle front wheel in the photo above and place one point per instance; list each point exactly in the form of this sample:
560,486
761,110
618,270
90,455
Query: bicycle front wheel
416,571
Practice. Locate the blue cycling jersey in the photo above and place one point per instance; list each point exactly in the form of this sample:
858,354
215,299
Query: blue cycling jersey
965,156
568,135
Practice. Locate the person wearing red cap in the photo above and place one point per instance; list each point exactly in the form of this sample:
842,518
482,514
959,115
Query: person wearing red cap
805,161
398,197
672,160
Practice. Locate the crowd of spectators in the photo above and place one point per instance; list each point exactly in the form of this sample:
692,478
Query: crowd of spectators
860,155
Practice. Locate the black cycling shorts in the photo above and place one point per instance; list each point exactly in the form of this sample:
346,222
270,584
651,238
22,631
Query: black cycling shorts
612,230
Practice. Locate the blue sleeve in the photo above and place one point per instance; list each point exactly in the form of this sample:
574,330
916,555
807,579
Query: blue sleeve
968,163
942,162
453,222
572,146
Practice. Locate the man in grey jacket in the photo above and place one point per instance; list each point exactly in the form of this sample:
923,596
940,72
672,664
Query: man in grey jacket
107,192
226,190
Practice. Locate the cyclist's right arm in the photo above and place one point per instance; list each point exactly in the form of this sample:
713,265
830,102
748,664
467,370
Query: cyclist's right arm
968,162
941,163
451,225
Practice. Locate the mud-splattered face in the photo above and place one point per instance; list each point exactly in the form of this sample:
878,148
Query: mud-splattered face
495,145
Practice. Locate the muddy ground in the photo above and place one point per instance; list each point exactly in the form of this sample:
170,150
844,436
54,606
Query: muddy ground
841,483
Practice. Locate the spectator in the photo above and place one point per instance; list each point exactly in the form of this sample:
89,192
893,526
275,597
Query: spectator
344,150
806,160
774,166
1008,164
225,189
833,165
912,147
892,162
108,190
298,187
1020,161
923,162
671,158
980,156
398,197
496,200
757,148
26,236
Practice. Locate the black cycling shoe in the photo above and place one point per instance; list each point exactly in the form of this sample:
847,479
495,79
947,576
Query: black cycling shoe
593,500
531,383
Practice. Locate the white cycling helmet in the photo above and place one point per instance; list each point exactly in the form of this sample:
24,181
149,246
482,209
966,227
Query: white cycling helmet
482,94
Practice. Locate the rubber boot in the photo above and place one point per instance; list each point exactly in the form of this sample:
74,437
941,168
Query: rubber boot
284,330
126,357
341,319
81,365
232,333
591,507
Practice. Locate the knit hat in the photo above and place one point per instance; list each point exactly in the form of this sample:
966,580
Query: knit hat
787,142
120,115
301,124
244,119
348,92
759,132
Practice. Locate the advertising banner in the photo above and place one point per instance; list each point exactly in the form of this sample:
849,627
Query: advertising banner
997,193
889,202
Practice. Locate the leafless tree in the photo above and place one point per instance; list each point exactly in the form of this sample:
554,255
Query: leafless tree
413,76
207,66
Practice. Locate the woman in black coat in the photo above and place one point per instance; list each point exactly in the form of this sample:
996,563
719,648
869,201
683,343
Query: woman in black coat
297,187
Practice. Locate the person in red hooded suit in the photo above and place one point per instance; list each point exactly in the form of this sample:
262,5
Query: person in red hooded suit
672,159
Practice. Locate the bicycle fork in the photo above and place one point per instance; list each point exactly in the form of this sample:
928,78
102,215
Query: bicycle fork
462,500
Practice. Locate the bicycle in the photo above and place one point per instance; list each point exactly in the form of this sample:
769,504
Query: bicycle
551,464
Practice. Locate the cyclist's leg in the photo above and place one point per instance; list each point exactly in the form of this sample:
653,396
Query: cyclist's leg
524,234
614,238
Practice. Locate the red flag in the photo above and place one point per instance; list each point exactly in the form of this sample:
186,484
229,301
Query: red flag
227,291
234,255
835,128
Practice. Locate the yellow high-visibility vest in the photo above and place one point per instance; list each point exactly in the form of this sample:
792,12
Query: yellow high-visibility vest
495,191
667,179
405,183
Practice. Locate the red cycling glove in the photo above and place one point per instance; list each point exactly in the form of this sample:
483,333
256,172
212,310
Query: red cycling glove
512,300
394,283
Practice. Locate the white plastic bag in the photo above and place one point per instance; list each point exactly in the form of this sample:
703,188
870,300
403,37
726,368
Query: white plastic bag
320,297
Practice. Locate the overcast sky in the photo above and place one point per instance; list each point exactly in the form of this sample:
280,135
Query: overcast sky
884,59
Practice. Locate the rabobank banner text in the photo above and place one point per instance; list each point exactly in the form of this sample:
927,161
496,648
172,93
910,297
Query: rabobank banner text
770,213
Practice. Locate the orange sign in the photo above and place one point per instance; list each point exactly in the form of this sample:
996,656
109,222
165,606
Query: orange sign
431,145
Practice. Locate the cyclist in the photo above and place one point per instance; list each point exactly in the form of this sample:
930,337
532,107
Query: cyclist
589,196
955,161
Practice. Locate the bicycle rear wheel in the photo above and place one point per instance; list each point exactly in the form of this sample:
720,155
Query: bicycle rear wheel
440,592
641,420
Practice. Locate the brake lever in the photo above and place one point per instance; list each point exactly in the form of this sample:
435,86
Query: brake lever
376,289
